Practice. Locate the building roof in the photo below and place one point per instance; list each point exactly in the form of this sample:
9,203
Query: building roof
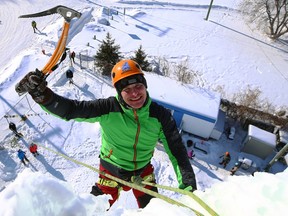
186,97
262,135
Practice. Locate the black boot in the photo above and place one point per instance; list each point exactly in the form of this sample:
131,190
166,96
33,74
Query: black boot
96,191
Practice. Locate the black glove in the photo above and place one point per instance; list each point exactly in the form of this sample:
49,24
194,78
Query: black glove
137,180
35,84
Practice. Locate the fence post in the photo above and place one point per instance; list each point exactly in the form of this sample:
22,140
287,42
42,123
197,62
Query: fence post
80,58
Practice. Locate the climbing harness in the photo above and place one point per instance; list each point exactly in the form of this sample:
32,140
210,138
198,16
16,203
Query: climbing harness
115,184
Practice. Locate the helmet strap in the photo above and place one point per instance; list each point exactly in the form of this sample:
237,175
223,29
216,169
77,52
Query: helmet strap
122,102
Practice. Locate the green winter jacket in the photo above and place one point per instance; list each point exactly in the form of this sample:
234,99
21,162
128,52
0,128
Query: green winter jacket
129,136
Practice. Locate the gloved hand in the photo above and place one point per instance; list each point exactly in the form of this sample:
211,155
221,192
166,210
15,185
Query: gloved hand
137,180
35,84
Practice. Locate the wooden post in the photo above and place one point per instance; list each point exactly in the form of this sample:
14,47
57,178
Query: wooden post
210,6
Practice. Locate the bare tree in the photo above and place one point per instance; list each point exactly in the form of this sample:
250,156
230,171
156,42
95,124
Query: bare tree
270,16
249,97
183,73
162,66
250,104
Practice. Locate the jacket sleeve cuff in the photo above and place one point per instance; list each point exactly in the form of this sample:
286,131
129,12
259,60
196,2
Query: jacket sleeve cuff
45,98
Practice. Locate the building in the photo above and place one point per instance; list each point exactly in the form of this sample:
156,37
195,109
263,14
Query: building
195,110
259,142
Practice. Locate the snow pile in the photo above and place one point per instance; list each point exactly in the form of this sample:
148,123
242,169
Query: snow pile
38,194
164,28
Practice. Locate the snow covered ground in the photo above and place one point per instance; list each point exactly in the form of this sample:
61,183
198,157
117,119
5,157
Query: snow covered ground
224,52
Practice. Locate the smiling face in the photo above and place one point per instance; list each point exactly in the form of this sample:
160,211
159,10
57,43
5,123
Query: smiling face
134,95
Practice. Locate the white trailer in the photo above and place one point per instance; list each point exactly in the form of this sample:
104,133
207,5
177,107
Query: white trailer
259,142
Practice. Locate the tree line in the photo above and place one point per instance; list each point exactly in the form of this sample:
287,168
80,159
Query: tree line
269,16
109,54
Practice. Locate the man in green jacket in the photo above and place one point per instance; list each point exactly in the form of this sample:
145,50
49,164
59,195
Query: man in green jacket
131,124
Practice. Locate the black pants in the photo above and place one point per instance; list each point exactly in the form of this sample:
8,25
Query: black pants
24,159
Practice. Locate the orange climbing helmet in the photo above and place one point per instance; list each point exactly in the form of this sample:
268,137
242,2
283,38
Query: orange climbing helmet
227,153
123,69
127,72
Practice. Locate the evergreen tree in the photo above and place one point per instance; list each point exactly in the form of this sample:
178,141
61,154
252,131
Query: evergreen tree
107,55
140,58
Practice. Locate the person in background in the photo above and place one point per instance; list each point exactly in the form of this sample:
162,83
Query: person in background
235,168
72,56
131,126
226,159
22,156
34,26
190,154
69,76
33,149
13,128
189,143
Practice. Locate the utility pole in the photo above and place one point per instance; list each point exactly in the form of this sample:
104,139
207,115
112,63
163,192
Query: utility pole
210,6
124,13
277,156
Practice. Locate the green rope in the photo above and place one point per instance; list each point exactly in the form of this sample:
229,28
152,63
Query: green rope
132,185
184,192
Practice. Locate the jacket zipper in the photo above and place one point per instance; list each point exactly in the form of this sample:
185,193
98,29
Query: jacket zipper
136,138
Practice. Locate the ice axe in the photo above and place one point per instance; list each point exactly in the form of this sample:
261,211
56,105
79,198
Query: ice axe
59,52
